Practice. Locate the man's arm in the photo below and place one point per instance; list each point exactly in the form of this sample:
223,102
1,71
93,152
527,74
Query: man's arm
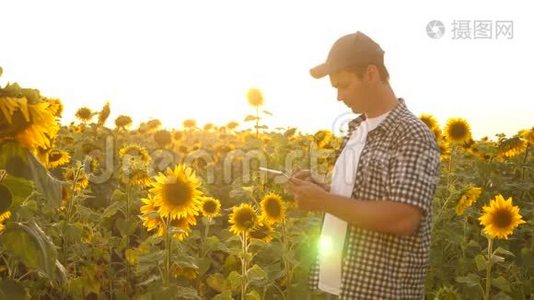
382,216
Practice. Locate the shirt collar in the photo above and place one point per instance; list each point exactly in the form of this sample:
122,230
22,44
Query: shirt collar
385,125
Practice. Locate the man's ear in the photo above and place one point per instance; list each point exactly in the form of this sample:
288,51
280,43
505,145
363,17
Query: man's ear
371,74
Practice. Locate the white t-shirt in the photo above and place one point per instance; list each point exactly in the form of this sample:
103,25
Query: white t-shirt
334,229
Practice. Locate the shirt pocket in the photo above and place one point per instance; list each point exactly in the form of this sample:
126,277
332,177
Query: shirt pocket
375,177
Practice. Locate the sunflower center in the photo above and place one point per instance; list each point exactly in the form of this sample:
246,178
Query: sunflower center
502,218
177,194
210,207
54,156
259,233
272,208
245,219
181,223
458,131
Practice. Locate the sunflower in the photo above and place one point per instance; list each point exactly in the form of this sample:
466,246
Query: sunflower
162,138
243,218
262,231
430,121
183,224
123,121
178,135
103,114
184,272
444,149
57,158
437,132
42,129
511,147
75,129
528,135
149,215
82,181
10,105
210,207
4,216
27,117
209,126
322,138
150,205
468,145
255,97
56,107
138,177
153,124
500,218
84,114
232,125
136,151
467,199
183,149
42,155
272,208
457,130
151,222
190,123
177,193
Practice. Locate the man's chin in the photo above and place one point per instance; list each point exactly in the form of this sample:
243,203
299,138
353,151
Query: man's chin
355,111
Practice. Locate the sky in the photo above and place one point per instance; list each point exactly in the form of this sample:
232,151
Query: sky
175,60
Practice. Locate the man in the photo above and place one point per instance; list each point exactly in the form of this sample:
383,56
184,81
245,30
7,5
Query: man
375,237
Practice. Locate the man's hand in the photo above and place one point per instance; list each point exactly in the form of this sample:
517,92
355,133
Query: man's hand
308,195
307,175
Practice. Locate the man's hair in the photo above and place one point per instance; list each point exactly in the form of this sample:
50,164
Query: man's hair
359,70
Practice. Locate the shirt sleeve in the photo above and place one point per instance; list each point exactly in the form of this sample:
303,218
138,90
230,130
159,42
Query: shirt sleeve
414,173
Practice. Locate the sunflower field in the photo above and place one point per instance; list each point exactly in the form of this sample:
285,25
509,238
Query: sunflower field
97,209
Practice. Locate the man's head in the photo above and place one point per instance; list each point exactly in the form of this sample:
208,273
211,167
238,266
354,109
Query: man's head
355,65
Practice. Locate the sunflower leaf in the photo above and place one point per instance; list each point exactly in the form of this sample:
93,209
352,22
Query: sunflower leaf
217,282
502,251
497,259
253,295
223,296
11,289
256,273
470,280
234,279
250,118
31,246
502,284
481,262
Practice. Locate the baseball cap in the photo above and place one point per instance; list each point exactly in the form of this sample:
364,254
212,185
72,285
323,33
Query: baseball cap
350,50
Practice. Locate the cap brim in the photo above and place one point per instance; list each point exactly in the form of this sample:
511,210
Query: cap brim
320,71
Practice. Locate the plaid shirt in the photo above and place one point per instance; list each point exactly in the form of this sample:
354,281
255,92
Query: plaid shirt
400,163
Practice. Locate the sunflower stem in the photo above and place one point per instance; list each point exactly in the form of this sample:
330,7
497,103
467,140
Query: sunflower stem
128,195
257,120
450,167
284,258
168,245
488,269
524,169
206,230
244,247
70,204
